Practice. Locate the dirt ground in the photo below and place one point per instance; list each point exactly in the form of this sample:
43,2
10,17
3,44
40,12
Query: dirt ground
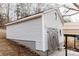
10,48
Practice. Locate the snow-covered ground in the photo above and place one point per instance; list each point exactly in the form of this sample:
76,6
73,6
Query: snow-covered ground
62,53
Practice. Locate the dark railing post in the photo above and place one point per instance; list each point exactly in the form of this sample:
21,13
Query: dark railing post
47,52
66,46
74,42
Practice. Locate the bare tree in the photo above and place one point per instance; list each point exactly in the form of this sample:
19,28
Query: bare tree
2,14
76,10
8,12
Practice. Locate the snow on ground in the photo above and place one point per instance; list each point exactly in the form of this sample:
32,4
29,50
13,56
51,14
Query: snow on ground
62,53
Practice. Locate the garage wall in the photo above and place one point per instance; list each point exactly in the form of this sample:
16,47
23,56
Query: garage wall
29,44
50,21
29,30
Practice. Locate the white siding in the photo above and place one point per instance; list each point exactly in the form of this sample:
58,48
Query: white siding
50,21
29,30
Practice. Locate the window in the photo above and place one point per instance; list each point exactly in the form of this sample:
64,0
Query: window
60,33
55,15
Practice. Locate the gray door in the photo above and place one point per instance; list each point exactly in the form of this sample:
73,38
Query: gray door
53,42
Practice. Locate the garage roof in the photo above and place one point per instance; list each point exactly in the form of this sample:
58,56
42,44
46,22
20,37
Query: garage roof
36,16
71,25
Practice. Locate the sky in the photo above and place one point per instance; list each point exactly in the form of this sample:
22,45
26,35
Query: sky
74,18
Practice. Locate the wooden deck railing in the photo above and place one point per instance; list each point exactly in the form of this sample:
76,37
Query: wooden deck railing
69,35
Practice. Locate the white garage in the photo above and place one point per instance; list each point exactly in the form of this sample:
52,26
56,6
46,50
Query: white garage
43,31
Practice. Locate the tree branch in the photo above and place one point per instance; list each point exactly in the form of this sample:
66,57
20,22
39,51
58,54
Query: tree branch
71,8
67,11
76,5
71,14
